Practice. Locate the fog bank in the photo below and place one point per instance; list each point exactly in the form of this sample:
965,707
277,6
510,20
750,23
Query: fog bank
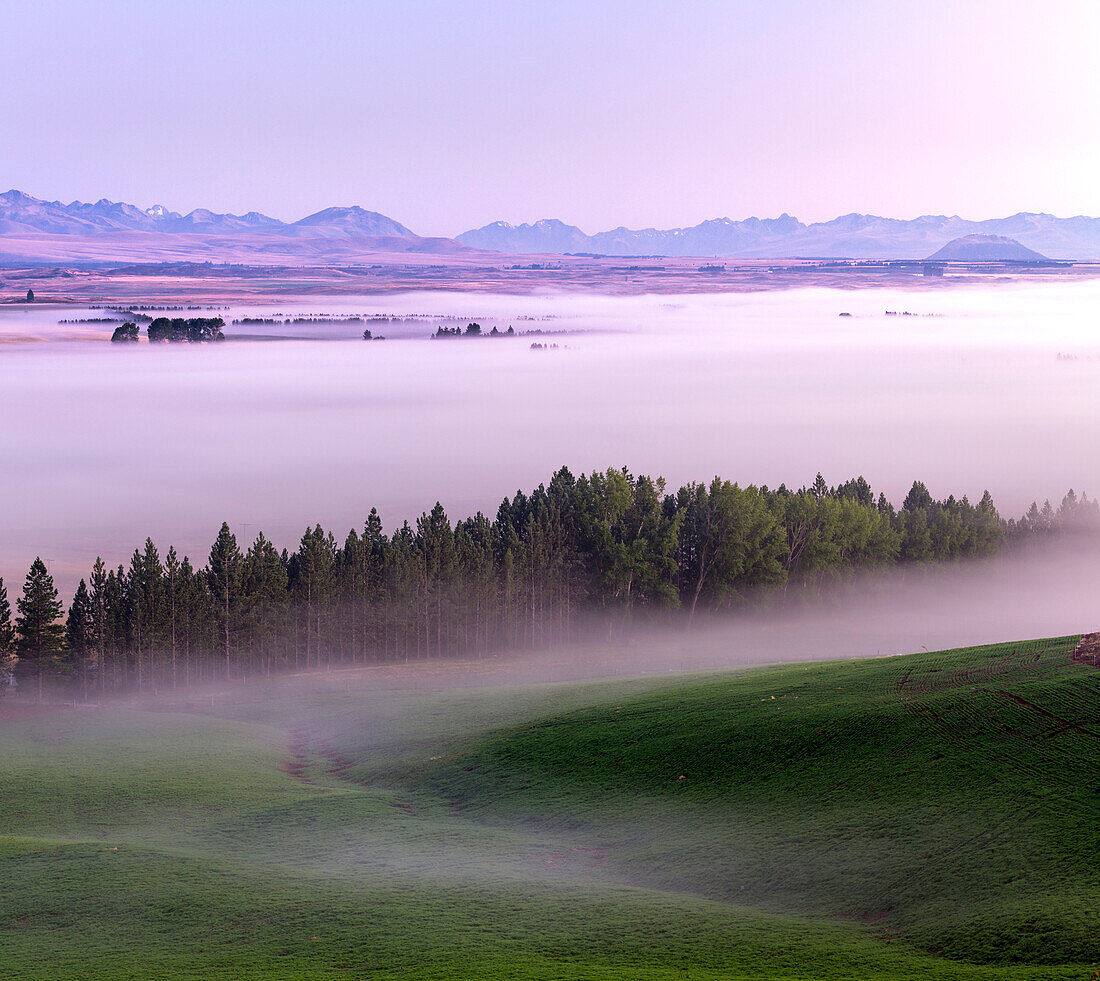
102,447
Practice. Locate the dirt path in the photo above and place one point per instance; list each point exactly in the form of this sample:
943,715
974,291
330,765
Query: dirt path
297,759
305,750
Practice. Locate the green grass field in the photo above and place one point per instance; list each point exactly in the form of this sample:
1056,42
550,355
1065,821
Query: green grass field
932,816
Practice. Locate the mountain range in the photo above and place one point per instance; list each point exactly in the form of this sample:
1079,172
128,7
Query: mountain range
854,236
35,232
20,212
32,229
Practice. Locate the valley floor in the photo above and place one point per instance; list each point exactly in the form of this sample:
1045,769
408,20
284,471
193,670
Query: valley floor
151,277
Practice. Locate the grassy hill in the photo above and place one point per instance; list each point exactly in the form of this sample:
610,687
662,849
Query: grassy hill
932,816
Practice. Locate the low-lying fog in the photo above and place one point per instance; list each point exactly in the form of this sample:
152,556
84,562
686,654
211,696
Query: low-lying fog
1042,593
105,444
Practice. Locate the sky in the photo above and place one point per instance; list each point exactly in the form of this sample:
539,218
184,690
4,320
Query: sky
450,115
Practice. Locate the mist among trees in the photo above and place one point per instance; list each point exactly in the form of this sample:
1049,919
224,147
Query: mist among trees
605,548
173,330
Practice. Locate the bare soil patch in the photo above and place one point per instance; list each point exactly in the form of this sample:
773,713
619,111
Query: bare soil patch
1087,650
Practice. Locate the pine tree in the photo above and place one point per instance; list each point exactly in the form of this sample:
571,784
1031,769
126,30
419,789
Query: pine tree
474,554
171,606
265,590
98,603
401,579
7,639
7,631
40,634
375,548
918,498
117,628
351,577
146,604
224,576
196,616
79,627
435,540
315,573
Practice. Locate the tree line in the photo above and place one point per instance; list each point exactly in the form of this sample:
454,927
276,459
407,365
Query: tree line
173,330
472,330
597,549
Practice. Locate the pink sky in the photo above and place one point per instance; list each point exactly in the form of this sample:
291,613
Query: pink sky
449,115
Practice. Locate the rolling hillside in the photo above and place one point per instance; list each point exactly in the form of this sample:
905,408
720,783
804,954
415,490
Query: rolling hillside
930,816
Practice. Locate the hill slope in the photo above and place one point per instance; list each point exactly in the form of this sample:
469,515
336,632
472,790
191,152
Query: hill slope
947,799
986,248
927,817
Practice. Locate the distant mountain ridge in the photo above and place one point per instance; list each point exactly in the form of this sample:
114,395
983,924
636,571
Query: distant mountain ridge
20,212
351,221
855,236
32,228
